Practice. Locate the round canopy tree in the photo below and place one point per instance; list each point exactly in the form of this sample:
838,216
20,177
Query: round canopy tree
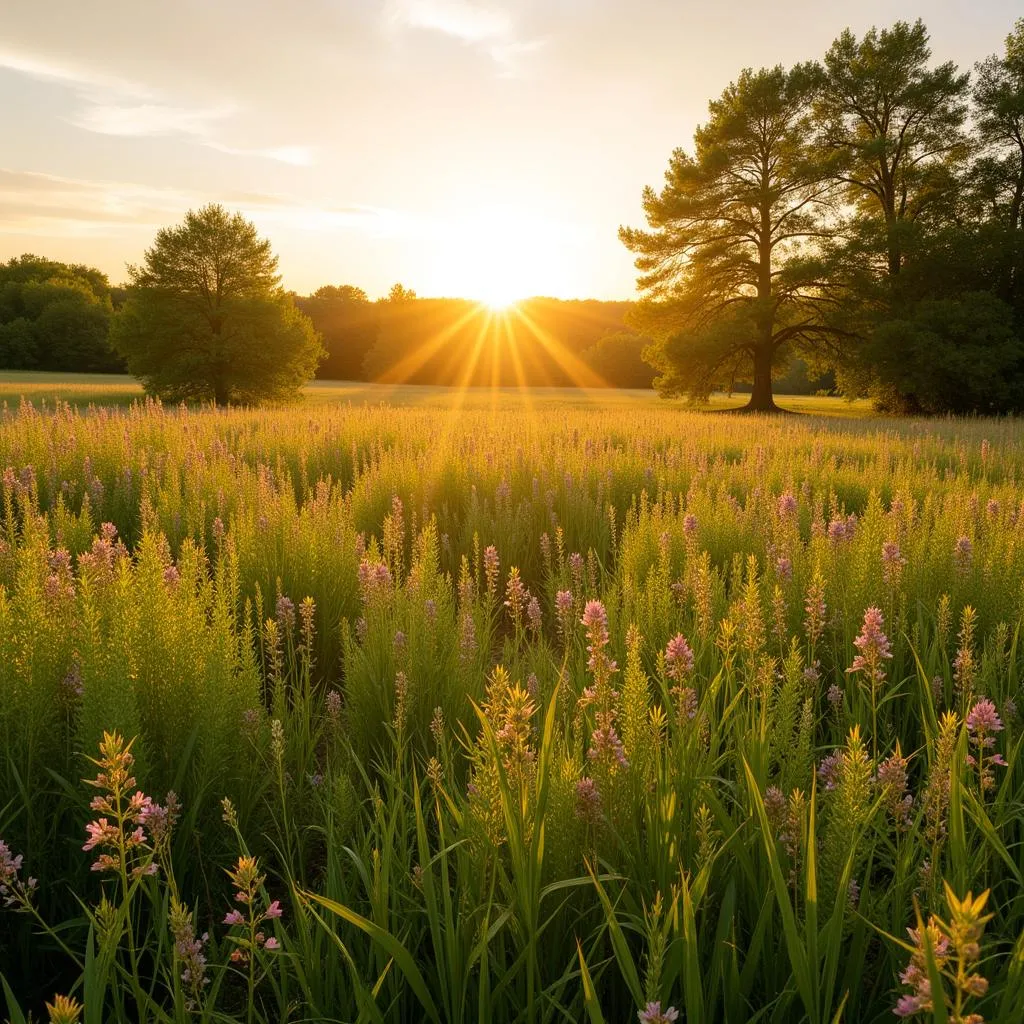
206,318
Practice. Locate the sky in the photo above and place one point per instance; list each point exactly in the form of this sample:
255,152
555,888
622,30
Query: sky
480,148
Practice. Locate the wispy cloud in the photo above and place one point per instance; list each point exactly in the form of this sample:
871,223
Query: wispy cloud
471,22
148,119
486,26
46,69
297,156
49,206
116,106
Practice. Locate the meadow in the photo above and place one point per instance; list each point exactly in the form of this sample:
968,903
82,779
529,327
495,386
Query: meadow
425,706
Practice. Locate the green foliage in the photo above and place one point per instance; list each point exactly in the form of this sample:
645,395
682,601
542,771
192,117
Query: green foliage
54,316
206,320
958,355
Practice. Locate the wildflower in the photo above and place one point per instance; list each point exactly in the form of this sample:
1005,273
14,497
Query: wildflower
120,829
678,658
588,801
955,947
13,891
64,1010
430,611
491,565
853,893
962,554
73,685
563,612
652,1013
576,569
965,664
787,505
285,614
814,606
689,524
188,949
686,703
828,770
992,508
595,618
873,647
605,745
467,638
533,615
248,884
516,596
935,798
892,563
401,701
333,706
784,568
837,531
983,722
774,806
835,696
400,644
892,778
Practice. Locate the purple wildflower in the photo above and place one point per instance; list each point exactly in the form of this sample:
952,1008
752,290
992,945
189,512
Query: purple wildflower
962,553
285,613
588,801
678,658
873,647
652,1013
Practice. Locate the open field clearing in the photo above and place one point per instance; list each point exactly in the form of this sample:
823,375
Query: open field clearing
542,710
84,389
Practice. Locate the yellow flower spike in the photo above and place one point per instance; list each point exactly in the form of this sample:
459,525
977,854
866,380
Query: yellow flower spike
64,1010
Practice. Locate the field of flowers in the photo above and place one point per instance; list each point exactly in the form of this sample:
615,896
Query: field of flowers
519,714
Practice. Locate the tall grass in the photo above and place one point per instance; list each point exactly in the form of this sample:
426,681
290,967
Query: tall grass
508,714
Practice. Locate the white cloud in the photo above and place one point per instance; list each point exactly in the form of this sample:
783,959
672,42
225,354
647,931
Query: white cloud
116,106
49,206
471,22
84,79
297,156
149,119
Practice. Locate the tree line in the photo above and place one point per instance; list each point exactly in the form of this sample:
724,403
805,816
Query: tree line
58,317
863,212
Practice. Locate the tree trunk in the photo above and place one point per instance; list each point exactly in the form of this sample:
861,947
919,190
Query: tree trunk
761,399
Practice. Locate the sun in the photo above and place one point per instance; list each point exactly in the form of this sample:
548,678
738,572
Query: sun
495,256
499,299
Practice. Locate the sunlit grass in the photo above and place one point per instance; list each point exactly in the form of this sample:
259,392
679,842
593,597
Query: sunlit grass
113,389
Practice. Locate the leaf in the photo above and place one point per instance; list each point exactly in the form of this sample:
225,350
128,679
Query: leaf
402,957
589,994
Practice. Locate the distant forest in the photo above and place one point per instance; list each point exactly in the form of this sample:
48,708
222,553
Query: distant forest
56,317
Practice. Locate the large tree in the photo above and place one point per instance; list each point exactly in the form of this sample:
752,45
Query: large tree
893,126
206,318
727,289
